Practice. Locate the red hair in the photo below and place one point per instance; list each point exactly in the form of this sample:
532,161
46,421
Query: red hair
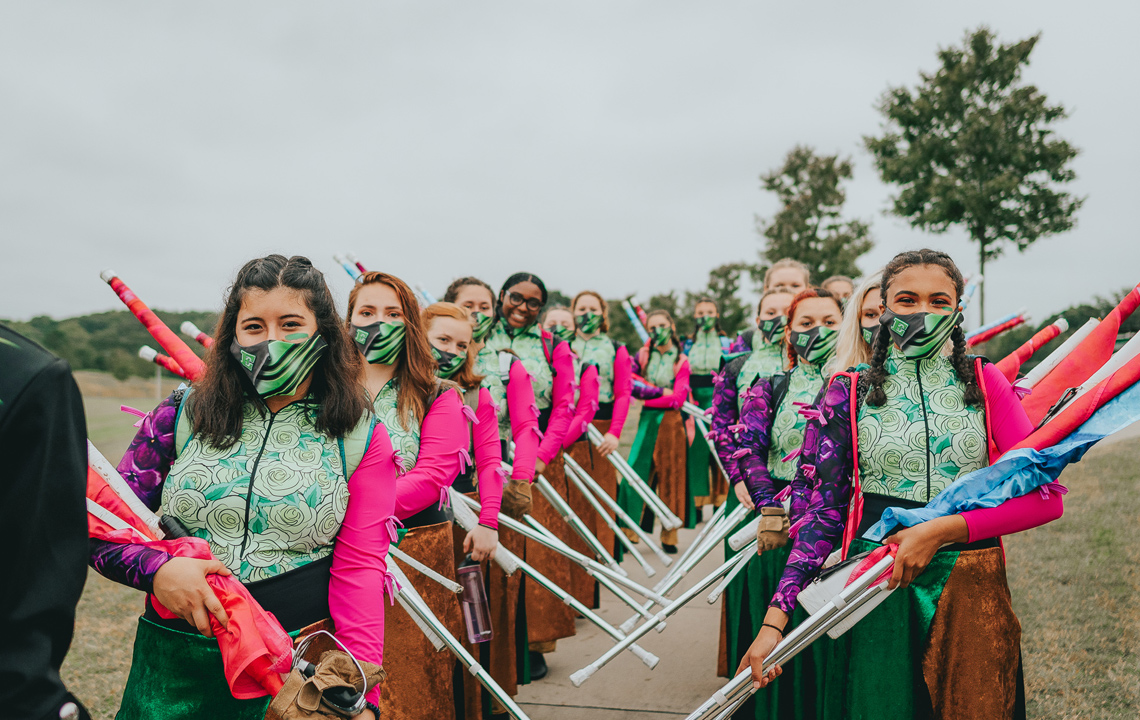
812,292
466,378
415,367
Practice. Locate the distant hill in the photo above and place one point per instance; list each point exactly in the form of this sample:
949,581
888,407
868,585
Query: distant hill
107,341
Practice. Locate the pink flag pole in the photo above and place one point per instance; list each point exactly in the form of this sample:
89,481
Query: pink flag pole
146,352
191,330
171,343
1011,364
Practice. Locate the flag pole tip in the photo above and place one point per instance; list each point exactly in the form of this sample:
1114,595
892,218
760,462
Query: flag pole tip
107,276
146,352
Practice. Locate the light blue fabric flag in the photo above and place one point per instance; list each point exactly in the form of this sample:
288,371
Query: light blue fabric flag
1018,472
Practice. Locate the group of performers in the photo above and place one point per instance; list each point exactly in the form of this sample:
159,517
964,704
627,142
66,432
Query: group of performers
315,441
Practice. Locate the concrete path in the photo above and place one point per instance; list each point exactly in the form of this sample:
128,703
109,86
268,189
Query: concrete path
626,689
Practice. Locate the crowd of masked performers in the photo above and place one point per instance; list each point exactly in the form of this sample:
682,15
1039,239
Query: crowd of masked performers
319,437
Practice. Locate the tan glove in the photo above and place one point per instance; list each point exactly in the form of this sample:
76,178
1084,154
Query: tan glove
516,499
772,530
300,699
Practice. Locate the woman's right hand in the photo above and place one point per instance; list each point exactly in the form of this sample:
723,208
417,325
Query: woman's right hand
766,640
741,490
180,585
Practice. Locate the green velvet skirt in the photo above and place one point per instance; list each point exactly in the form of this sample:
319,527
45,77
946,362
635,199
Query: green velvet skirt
699,459
641,460
177,675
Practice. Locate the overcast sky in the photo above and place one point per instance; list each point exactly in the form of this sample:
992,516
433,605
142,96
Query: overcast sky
607,145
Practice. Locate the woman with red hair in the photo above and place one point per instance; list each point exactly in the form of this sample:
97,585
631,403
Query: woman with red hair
771,435
428,430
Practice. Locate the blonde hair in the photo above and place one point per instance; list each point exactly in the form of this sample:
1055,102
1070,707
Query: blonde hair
787,263
466,378
850,347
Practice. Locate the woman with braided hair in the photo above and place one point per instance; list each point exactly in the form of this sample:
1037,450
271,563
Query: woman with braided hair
947,644
705,349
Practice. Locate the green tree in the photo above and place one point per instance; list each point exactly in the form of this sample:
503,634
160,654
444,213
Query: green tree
973,146
808,228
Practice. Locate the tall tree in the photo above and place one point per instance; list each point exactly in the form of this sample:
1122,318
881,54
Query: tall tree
973,146
808,228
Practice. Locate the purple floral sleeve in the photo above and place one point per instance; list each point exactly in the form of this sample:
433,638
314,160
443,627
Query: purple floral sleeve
824,477
738,345
144,466
756,417
725,426
641,391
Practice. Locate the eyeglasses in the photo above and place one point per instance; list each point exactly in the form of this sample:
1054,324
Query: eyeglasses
518,299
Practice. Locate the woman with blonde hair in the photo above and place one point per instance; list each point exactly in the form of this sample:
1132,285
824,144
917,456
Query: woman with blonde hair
859,328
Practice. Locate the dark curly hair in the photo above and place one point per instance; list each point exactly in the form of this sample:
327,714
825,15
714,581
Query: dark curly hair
219,396
963,366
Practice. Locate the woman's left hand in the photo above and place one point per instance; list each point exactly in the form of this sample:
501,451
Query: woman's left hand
481,543
918,544
608,445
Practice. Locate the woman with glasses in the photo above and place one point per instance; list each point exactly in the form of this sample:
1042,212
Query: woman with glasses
550,363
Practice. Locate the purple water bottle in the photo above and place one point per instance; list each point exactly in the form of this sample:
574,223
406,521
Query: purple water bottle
476,614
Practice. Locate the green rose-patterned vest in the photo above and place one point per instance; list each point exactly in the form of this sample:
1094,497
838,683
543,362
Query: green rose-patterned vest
601,351
660,370
763,362
494,367
405,440
273,502
527,345
705,353
924,437
804,383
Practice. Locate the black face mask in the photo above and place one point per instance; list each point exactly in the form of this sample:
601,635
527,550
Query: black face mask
871,334
920,335
814,346
772,328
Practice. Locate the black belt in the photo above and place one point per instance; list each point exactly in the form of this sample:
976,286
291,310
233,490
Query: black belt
874,505
430,515
465,483
700,381
297,598
605,411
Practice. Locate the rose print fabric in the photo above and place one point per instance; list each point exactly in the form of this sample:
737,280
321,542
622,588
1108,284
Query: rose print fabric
404,432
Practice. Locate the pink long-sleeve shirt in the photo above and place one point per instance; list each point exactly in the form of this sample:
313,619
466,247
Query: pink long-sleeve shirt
359,567
1008,426
561,401
488,459
523,414
443,455
680,394
623,390
587,407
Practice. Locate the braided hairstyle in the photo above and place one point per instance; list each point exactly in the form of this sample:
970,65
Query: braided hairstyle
963,366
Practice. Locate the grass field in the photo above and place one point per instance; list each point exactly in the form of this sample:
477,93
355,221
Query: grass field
1074,582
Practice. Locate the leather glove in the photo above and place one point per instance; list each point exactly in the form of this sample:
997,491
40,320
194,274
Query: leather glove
517,499
772,531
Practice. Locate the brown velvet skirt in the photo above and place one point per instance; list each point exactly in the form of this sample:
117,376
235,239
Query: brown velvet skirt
548,618
584,587
669,466
501,656
419,683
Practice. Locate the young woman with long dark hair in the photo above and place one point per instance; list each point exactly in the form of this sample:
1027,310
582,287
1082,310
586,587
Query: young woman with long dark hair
425,421
946,644
705,349
550,363
659,450
273,460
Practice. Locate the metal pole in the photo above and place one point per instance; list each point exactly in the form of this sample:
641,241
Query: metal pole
589,491
563,508
668,520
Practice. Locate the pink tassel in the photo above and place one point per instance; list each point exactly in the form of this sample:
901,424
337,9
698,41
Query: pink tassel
444,498
136,412
737,428
469,414
391,523
742,452
502,473
464,459
793,454
1056,487
401,467
810,411
497,407
1022,392
390,587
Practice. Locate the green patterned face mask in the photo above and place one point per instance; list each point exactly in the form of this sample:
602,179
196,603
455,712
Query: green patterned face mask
920,335
871,334
772,328
562,332
381,342
481,327
814,346
588,323
278,367
449,363
706,323
661,334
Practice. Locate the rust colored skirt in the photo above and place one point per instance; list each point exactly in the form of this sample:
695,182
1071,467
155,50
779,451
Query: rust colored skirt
420,680
584,587
500,655
659,455
548,618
